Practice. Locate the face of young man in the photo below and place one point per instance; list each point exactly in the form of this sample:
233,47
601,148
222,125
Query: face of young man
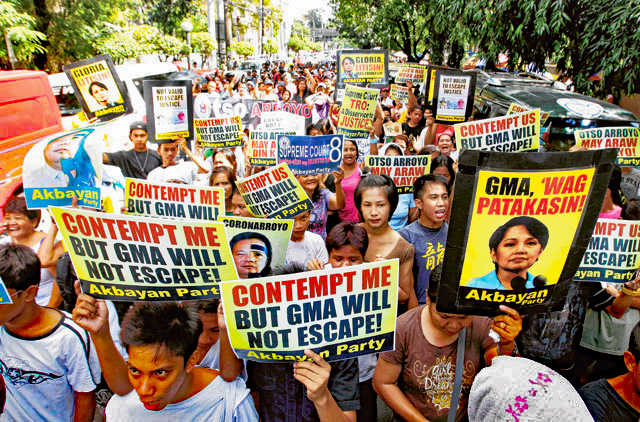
158,376
168,153
139,138
433,205
210,330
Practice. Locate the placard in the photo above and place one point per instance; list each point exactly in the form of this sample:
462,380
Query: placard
532,214
363,67
399,93
272,233
430,82
517,108
250,111
169,109
63,166
98,88
392,129
128,258
275,193
357,111
170,200
281,121
5,297
626,139
613,254
263,147
339,313
411,72
311,154
225,132
512,133
453,94
403,170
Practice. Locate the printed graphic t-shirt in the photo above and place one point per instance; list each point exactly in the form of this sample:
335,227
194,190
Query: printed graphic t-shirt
428,371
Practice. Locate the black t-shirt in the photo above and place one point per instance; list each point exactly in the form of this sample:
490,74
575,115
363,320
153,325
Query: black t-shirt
605,404
412,131
135,164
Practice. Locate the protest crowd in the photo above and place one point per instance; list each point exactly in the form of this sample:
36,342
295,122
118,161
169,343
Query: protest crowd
76,343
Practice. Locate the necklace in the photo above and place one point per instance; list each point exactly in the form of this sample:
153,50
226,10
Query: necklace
138,161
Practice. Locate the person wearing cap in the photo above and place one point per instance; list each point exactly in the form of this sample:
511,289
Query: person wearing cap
139,161
175,171
243,92
280,87
268,93
385,99
319,103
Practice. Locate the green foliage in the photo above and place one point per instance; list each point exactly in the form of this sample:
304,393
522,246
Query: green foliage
120,46
203,43
20,28
297,43
146,37
300,29
170,45
242,48
167,15
250,8
271,47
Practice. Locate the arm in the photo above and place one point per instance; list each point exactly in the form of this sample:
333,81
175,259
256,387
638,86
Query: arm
412,97
406,280
384,382
50,251
622,300
84,406
508,326
315,376
92,315
230,365
432,129
203,166
311,81
337,202
105,158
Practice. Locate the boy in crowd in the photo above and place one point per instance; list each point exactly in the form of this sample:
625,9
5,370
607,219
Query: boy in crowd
161,340
171,169
428,234
48,363
139,161
617,399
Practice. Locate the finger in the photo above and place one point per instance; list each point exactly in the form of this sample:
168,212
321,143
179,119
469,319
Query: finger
316,358
512,312
90,307
77,287
504,335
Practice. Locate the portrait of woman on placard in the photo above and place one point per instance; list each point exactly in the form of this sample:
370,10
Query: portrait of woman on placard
515,247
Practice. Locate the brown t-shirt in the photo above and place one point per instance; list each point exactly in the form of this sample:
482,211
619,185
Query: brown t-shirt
428,371
402,250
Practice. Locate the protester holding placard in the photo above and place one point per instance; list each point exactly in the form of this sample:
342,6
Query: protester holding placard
304,246
238,207
352,176
376,199
138,162
177,171
416,379
446,143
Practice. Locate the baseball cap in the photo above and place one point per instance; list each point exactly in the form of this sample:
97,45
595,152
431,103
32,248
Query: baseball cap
138,125
268,82
322,85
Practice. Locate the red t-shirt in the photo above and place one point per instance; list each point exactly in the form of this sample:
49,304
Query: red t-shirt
428,371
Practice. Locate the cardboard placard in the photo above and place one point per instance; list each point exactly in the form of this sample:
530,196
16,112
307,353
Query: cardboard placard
541,203
411,72
169,109
517,108
357,111
613,254
129,258
281,121
273,234
65,165
453,95
399,93
310,154
274,192
263,147
626,139
363,67
98,88
512,133
339,313
250,111
403,170
5,298
170,200
225,132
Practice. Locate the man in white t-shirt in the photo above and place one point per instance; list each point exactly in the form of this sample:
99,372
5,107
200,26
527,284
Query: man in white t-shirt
48,363
175,171
161,340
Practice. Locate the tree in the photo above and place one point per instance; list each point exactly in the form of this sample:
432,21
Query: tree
582,36
146,36
297,43
300,29
203,43
119,45
25,40
314,18
416,27
271,47
242,48
170,46
167,15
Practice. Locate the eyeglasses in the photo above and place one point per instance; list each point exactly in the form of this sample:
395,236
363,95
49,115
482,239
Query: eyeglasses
15,293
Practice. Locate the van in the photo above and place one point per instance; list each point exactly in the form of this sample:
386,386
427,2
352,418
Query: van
568,111
28,112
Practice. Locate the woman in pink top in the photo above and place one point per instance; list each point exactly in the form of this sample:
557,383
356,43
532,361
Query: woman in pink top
351,179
